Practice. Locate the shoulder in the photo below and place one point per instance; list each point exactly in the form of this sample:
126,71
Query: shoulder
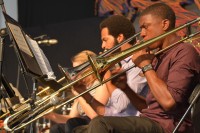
185,51
186,56
118,93
185,48
118,96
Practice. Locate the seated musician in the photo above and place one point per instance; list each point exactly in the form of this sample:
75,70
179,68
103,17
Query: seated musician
100,94
114,30
81,111
171,76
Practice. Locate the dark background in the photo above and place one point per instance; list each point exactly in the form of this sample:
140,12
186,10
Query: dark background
73,23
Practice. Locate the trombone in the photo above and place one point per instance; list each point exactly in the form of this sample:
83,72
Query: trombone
25,103
99,65
70,72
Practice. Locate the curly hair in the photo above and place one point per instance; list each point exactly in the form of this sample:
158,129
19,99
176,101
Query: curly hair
163,11
118,24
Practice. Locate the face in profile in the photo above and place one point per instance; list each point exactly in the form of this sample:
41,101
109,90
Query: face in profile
151,27
108,41
85,80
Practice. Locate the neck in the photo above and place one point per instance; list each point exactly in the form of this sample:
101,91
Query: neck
169,40
125,46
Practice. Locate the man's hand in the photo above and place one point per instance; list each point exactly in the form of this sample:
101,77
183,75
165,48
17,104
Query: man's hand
120,81
78,88
142,58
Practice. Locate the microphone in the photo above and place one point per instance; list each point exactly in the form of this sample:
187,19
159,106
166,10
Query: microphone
3,32
48,42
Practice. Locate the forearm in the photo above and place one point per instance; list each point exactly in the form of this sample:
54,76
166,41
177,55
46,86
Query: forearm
58,118
89,111
136,100
159,90
96,105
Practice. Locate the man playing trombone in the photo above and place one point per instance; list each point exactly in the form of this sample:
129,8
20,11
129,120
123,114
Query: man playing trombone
114,30
171,77
118,104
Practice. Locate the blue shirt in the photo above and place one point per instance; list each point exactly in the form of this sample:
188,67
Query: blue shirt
119,104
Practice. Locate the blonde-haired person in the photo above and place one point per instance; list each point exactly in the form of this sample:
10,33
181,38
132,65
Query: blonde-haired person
83,113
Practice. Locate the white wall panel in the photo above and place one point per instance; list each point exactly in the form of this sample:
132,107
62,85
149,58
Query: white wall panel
11,9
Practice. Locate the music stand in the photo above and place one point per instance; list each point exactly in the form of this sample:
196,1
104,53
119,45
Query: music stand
25,53
31,58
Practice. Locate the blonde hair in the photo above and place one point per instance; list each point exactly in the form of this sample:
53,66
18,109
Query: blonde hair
82,56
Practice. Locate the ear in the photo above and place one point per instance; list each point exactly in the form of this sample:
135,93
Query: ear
165,24
120,38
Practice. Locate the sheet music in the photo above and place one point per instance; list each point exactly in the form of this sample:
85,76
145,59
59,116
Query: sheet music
18,35
41,58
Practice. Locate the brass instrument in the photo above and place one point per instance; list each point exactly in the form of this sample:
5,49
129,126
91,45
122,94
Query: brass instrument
27,110
71,72
24,105
99,64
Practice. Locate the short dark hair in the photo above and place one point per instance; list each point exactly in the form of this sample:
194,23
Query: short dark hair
163,11
118,24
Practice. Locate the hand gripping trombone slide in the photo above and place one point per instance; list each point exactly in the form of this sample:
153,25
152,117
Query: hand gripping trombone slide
100,65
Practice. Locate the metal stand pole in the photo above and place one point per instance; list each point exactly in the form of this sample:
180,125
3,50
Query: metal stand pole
33,125
189,108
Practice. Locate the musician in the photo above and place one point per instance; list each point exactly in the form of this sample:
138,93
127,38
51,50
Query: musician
171,77
119,103
100,94
114,30
81,108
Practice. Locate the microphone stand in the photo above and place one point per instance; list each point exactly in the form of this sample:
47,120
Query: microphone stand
33,99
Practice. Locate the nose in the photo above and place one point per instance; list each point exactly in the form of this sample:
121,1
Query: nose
103,45
143,33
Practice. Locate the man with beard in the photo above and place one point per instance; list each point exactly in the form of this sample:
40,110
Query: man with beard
114,30
171,76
